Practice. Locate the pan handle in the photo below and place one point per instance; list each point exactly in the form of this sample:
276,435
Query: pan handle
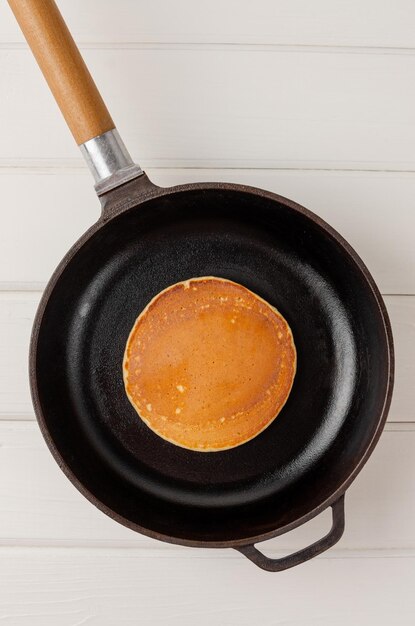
278,565
75,93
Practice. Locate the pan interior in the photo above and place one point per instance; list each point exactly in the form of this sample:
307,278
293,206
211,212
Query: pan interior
327,422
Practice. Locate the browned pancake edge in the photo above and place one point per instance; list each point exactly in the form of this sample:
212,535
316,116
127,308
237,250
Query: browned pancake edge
228,428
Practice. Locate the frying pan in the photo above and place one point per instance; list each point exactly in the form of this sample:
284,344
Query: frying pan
148,238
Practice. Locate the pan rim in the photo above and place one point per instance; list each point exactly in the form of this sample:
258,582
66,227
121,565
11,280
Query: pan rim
141,198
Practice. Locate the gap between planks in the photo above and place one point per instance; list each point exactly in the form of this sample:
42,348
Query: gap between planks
171,551
77,166
234,46
30,419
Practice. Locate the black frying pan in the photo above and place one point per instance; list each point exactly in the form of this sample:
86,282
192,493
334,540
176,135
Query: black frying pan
149,238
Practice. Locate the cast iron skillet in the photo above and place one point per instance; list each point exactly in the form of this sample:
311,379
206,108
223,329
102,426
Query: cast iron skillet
148,238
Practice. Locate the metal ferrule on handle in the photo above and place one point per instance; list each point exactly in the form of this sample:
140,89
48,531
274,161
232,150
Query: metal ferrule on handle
109,161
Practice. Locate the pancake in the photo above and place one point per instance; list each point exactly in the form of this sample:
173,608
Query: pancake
208,364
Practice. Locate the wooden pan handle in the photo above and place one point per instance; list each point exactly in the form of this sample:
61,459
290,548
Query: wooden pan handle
63,67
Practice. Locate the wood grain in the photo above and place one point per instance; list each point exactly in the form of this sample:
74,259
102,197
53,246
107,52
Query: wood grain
303,98
48,209
286,22
228,106
129,587
63,68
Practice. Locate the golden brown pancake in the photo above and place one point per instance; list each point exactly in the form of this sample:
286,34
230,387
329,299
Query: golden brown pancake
208,364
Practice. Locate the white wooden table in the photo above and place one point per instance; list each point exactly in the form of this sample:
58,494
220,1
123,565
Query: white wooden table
314,100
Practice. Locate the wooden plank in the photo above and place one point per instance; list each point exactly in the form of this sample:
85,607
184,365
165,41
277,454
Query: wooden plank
230,106
102,588
41,507
17,310
402,315
322,22
48,209
46,214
